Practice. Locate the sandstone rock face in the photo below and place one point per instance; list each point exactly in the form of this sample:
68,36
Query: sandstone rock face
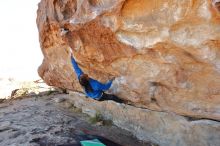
165,54
164,129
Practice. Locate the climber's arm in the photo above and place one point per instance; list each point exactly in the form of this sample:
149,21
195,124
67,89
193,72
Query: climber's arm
107,85
96,85
76,67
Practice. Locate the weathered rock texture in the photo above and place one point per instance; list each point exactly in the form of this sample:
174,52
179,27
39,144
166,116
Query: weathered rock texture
165,54
23,124
165,129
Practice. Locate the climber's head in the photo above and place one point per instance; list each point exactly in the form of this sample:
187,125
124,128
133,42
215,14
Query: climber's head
84,81
83,78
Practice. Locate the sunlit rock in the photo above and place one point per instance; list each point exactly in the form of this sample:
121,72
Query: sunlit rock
165,54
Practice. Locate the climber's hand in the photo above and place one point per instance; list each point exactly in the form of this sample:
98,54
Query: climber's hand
71,51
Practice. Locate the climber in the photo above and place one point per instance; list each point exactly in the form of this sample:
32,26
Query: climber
93,88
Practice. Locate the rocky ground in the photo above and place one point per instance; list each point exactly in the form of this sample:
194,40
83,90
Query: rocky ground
35,114
46,118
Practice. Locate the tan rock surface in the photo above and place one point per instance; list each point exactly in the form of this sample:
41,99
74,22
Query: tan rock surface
165,54
164,129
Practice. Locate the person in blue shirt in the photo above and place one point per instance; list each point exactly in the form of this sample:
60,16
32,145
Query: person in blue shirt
93,88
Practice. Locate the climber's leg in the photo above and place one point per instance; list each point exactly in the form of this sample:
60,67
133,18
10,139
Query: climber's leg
110,97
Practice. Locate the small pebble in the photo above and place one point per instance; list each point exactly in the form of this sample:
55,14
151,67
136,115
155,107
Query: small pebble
100,123
59,100
68,105
4,124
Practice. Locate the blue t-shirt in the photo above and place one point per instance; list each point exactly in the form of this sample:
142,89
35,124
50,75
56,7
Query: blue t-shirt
97,87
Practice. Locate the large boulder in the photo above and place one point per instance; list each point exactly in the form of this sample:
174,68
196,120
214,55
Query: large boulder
165,54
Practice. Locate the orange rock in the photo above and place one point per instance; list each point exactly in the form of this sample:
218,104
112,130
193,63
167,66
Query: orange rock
165,54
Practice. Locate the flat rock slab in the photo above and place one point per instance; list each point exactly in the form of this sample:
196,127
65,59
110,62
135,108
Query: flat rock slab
163,128
40,121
